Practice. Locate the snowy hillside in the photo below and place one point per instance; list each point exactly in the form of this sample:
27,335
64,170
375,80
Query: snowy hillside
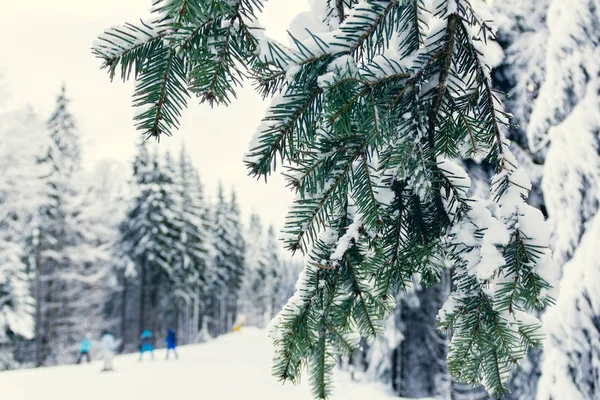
234,366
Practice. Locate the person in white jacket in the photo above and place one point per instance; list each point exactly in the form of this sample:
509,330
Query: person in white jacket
109,346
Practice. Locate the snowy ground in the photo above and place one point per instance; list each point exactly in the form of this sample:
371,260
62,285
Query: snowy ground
234,366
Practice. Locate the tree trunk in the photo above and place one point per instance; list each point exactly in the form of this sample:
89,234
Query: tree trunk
124,313
196,323
175,318
223,315
422,350
142,320
155,282
38,308
396,381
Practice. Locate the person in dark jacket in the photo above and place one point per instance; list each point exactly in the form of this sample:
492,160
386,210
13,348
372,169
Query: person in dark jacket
171,342
146,344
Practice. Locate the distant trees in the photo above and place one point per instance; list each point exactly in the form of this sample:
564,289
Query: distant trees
55,238
82,251
265,275
181,262
184,264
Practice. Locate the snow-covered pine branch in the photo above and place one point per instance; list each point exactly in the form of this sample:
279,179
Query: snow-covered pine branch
370,113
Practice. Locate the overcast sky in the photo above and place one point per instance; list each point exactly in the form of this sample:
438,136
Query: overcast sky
46,43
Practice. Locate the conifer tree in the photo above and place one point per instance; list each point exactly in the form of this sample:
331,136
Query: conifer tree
564,129
111,191
422,348
88,237
274,283
91,224
288,277
263,290
126,264
255,294
522,33
59,232
151,232
189,278
65,135
370,115
550,76
228,264
193,209
548,79
237,257
21,186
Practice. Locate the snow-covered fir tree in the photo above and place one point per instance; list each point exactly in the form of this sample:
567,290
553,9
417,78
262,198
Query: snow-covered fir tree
163,261
190,281
21,184
228,264
65,135
422,351
549,74
151,234
111,192
565,128
237,256
288,277
59,238
546,74
59,233
263,289
274,283
92,223
373,112
522,33
71,245
128,307
254,295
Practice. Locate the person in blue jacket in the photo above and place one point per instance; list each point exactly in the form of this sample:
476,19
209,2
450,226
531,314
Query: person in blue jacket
146,344
171,342
84,349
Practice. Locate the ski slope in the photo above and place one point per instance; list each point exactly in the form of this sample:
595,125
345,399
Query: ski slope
234,366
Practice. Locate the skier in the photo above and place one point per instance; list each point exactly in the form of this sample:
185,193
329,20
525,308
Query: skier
84,349
241,320
146,344
109,346
171,342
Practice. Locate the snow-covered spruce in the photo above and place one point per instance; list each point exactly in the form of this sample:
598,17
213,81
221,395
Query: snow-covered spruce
228,265
264,279
254,294
69,251
564,128
152,234
21,184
